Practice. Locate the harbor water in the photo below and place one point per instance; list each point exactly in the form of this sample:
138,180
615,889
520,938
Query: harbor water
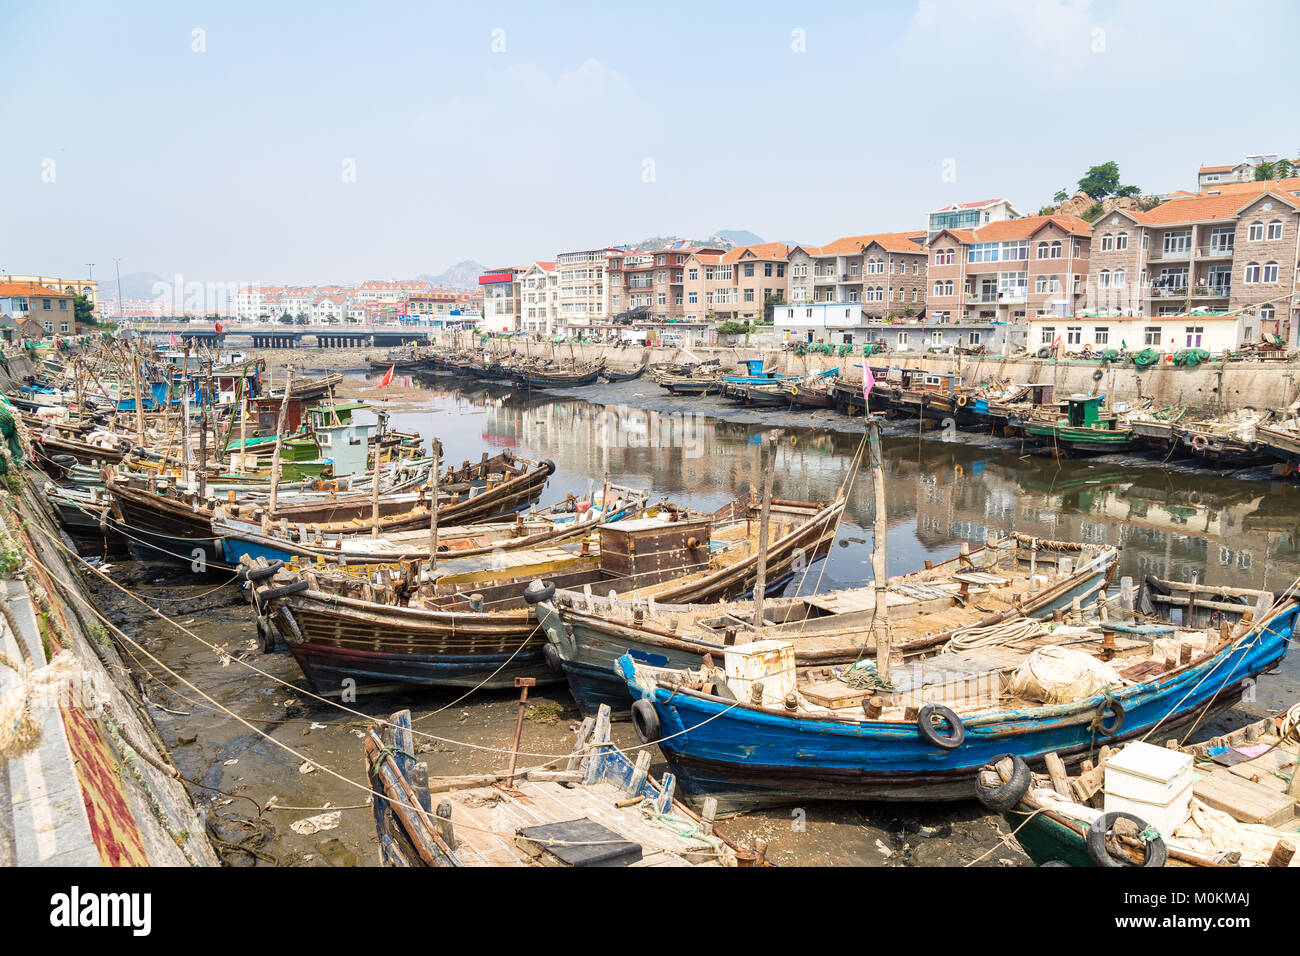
944,488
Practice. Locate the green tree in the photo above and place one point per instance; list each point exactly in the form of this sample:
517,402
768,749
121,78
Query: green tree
83,311
1061,196
1284,169
1265,171
1102,181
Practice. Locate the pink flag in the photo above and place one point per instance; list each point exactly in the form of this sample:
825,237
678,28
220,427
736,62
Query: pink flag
868,381
173,338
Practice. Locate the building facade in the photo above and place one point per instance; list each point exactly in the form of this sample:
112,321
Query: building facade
540,298
501,300
580,280
884,272
1008,270
969,216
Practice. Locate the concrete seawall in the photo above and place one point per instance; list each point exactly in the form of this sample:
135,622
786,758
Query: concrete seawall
85,778
1215,387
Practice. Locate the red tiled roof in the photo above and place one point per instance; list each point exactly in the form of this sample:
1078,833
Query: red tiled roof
848,245
1208,207
1220,169
29,288
1023,228
762,250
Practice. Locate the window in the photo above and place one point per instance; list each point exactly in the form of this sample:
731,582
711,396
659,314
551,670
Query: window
1222,240
1151,335
1103,278
944,257
902,339
1177,243
693,298
1270,272
693,274
1251,275
749,295
1073,335
1041,250
767,269
749,268
780,270
1121,241
1118,278
1049,334
936,338
1255,232
1056,249
1107,242
1275,229
975,338
1101,334
983,252
1194,333
1266,314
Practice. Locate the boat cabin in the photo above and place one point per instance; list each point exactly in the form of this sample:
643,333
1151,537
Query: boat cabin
1088,411
341,438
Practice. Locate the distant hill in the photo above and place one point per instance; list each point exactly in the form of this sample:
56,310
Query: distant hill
136,285
739,237
463,275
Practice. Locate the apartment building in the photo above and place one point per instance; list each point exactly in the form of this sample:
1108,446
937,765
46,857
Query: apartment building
580,281
501,300
757,278
1008,270
969,215
651,285
885,272
1231,249
87,287
539,292
1208,177
27,302
376,290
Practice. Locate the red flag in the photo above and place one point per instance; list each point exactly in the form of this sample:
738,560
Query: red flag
388,377
1057,343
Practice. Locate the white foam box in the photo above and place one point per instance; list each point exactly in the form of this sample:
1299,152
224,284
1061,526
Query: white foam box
1153,783
770,661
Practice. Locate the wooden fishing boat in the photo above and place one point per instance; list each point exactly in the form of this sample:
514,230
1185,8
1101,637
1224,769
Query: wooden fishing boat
549,376
1016,578
595,808
691,384
309,388
472,622
1231,441
808,394
100,447
925,394
167,523
1158,430
405,361
749,736
1084,428
342,544
611,375
766,394
1241,810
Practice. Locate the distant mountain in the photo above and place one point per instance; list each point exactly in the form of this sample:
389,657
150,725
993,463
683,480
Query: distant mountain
739,237
136,285
463,275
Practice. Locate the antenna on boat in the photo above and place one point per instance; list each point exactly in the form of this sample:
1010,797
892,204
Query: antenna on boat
879,552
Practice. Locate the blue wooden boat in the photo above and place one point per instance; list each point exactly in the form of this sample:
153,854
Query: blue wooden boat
750,755
587,637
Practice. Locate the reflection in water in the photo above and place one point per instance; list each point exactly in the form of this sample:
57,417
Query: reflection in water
1186,526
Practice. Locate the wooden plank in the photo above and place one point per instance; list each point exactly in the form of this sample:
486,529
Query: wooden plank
1243,800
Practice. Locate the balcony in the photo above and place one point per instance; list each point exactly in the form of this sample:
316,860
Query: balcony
996,298
1220,290
828,277
1167,292
1170,255
1214,252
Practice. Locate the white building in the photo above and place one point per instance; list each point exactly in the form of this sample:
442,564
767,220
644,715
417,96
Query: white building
581,284
1165,333
539,298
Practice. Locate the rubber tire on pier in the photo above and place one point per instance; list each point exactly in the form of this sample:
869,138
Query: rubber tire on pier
1044,352
258,574
1111,704
265,634
538,595
1154,854
1098,375
1005,796
645,721
925,724
284,590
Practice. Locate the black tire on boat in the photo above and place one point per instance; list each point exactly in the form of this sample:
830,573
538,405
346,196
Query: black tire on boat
258,574
720,689
645,721
1154,853
1009,793
925,723
534,595
265,634
552,658
270,594
1113,706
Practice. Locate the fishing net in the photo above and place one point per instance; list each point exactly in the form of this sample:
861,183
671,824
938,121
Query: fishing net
1190,358
1057,675
1146,358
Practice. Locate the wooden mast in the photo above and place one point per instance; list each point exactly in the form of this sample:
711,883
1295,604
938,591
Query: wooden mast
374,480
764,516
279,440
880,552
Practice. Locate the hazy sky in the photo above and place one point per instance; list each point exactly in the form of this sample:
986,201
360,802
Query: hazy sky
318,142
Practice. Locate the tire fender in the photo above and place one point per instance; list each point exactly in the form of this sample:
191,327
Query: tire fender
925,724
1154,855
1007,794
645,721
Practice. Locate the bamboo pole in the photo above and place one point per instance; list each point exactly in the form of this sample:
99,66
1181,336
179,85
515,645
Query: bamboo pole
880,552
279,440
764,518
433,506
374,480
139,398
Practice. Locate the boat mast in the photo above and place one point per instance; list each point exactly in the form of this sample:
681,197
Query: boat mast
764,516
374,481
279,440
433,505
880,552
